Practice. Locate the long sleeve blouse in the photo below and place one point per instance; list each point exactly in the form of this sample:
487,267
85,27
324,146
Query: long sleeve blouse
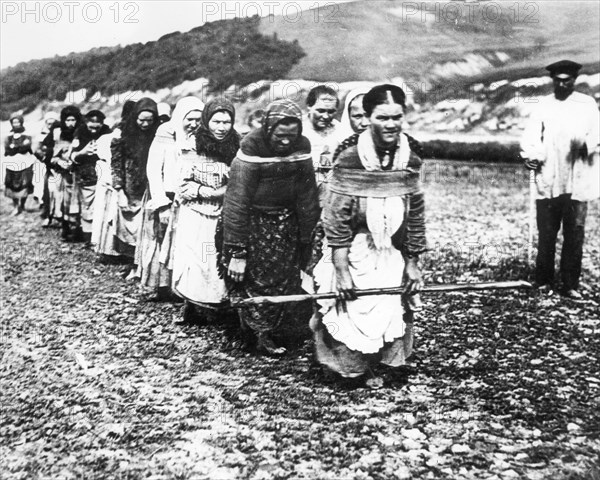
564,136
267,187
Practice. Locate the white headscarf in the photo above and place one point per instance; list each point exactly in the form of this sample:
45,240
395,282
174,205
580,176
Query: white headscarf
182,109
345,125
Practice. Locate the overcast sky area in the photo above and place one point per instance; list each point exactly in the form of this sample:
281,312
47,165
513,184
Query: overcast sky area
32,30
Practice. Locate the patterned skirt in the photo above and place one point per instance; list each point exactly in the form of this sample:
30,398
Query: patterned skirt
272,269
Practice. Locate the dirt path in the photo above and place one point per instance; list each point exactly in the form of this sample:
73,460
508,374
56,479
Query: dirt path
96,382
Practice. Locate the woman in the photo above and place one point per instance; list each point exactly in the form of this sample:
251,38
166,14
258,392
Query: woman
19,161
204,174
353,121
271,207
105,202
58,165
173,139
85,157
129,154
353,117
40,179
375,228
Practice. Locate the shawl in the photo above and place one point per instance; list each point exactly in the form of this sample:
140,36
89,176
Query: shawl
126,111
255,146
223,150
135,139
384,190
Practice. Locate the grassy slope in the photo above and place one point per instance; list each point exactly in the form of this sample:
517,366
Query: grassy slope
371,40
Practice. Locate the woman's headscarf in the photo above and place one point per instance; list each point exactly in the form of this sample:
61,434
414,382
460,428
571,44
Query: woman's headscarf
17,116
174,127
132,135
138,141
69,111
256,143
223,150
345,125
126,111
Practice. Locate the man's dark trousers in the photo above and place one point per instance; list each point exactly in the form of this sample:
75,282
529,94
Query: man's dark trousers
551,212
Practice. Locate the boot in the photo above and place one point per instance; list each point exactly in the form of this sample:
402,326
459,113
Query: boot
76,235
65,230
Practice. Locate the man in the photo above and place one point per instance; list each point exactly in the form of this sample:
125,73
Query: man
321,128
560,144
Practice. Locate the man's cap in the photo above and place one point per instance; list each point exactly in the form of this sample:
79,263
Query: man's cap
564,67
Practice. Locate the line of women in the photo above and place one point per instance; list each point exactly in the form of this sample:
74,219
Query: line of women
209,216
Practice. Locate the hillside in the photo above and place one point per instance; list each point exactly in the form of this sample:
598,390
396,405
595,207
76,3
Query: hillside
436,42
441,48
225,52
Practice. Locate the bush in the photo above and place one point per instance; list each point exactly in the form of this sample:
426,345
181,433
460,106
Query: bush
227,52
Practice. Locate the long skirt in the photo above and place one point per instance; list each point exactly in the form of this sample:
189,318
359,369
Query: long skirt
70,201
271,269
18,183
195,270
39,180
98,213
53,195
127,221
104,230
350,336
151,271
86,200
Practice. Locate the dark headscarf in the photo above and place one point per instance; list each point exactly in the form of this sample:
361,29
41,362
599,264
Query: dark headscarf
257,144
128,107
84,135
17,116
221,150
132,136
69,111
